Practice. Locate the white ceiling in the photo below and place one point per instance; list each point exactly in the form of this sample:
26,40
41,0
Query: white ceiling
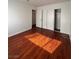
42,2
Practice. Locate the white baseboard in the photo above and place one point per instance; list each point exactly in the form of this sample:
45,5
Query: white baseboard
19,32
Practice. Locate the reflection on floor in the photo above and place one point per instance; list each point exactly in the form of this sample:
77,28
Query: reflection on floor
39,44
44,42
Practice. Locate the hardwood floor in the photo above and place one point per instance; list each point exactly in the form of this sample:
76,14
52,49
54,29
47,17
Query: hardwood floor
39,43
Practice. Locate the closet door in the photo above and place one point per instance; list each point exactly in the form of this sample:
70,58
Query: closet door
50,19
44,18
39,18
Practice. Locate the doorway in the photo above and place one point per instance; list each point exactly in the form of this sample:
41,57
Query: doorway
33,18
57,19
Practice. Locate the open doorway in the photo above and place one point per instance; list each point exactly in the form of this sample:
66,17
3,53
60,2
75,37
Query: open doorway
33,18
57,15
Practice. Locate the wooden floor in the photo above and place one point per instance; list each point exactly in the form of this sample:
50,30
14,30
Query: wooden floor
39,44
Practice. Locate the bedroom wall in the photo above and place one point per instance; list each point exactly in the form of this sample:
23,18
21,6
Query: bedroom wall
19,17
65,22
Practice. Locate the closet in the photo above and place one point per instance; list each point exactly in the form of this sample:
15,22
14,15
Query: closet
57,18
46,18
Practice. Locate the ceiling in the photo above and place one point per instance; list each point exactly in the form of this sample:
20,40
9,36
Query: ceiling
42,2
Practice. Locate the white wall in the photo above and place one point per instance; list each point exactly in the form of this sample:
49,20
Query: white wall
65,26
19,17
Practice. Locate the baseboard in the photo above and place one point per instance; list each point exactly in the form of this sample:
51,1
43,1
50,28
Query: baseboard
19,32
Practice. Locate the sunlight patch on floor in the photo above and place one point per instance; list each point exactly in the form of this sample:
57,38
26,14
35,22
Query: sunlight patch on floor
48,44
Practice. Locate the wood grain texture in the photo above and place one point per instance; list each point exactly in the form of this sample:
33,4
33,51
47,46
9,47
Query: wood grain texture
39,43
